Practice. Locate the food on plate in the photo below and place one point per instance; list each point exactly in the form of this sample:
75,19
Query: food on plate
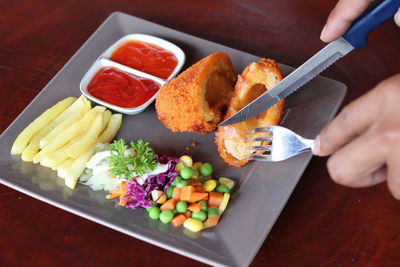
195,101
167,187
76,109
146,57
38,124
121,88
257,78
64,137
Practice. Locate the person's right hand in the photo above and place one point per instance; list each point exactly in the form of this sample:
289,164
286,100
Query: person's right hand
343,15
363,141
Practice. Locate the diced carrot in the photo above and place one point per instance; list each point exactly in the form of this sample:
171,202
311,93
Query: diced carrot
211,222
188,214
197,196
195,207
194,182
176,194
168,205
122,188
122,202
186,193
199,189
178,220
113,195
215,199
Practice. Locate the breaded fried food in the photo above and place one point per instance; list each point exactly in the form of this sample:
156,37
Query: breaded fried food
197,99
256,79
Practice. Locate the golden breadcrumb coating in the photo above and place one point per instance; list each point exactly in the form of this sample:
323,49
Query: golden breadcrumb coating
257,78
196,100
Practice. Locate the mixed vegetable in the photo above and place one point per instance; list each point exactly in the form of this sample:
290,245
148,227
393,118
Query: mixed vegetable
172,189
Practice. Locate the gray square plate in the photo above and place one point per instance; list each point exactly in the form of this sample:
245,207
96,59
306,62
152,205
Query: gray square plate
263,188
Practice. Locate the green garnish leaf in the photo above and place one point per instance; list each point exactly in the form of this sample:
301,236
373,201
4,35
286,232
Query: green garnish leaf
122,165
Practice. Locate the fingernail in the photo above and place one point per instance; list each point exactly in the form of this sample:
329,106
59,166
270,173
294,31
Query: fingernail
397,17
316,149
323,33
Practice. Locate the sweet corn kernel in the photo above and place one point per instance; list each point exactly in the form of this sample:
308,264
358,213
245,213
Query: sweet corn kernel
186,161
224,203
179,167
155,194
226,181
193,225
196,166
209,185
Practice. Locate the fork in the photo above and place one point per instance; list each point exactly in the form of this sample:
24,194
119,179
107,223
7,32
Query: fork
284,143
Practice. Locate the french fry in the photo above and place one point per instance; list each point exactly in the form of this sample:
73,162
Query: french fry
69,133
78,166
55,158
74,114
30,151
106,118
88,139
112,128
38,124
65,168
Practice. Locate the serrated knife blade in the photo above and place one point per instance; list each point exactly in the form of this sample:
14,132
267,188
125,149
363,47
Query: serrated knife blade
355,37
300,76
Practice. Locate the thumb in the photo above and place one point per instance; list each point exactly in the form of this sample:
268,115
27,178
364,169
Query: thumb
397,17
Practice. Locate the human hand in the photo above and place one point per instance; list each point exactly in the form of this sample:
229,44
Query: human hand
343,15
364,139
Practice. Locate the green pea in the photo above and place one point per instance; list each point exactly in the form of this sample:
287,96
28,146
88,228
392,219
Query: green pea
206,169
212,212
166,216
181,207
176,180
154,213
169,191
187,173
203,205
200,215
222,188
182,184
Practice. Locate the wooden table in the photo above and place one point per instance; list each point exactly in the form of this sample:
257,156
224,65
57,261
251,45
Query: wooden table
322,223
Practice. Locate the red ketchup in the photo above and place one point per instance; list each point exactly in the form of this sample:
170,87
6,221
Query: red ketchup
146,57
121,88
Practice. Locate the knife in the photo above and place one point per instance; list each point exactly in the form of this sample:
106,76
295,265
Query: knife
355,37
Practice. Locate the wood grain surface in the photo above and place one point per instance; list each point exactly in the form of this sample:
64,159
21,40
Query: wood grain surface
323,224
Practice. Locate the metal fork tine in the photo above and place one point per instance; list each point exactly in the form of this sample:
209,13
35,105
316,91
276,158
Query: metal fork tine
284,143
262,148
262,129
262,157
261,138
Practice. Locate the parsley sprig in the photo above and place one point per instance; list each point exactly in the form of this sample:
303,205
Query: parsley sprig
125,165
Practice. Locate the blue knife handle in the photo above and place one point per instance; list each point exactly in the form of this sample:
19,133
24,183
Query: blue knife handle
373,17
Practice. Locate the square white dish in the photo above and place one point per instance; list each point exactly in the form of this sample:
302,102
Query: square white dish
103,62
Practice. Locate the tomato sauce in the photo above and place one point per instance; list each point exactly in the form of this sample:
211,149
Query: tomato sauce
146,57
121,88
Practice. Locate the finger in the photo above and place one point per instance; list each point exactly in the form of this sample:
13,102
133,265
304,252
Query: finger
393,177
354,119
397,17
357,164
341,17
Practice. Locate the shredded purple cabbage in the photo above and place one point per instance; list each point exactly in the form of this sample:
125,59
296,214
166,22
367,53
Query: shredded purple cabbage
140,195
